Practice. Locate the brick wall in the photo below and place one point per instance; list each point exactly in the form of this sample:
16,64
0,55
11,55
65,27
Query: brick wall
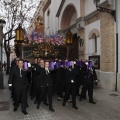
107,42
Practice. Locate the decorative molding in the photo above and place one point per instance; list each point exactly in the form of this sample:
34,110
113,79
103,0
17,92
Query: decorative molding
94,31
60,8
46,5
70,27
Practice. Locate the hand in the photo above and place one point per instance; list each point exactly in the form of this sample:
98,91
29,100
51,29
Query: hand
29,65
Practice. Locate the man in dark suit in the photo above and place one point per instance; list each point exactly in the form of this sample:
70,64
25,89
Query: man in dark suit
18,80
38,70
88,84
34,79
46,86
70,87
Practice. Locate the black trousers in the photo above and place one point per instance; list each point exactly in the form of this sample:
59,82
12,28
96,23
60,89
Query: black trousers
70,88
60,88
33,91
44,93
78,85
21,97
88,85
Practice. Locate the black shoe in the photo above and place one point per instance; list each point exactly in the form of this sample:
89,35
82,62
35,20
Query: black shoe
38,106
35,102
27,105
75,107
51,109
92,102
58,98
15,109
46,104
24,112
63,104
31,98
14,103
84,98
80,99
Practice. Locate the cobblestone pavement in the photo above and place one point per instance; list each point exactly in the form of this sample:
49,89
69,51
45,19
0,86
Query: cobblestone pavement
107,108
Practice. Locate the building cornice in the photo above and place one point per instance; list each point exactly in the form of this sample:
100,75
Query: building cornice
46,5
60,8
70,27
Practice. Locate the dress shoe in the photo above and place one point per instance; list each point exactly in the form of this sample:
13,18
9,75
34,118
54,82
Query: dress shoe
63,104
80,99
24,112
46,104
38,106
51,109
92,102
35,102
84,98
58,98
31,98
75,107
14,103
15,109
27,105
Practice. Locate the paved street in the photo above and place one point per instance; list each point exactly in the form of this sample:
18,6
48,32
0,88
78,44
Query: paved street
107,108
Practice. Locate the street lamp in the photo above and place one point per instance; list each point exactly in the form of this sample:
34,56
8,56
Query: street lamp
2,24
102,9
69,42
19,38
69,37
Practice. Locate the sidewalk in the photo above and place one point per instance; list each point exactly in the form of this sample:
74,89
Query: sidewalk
107,108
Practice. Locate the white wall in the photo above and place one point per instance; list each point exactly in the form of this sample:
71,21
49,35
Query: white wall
90,6
53,20
90,42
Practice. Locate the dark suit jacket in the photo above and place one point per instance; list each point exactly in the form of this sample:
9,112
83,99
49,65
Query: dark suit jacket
71,74
46,79
16,80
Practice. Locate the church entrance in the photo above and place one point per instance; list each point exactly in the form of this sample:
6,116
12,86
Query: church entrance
74,54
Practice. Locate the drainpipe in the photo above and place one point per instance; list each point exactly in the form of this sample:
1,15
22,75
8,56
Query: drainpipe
116,43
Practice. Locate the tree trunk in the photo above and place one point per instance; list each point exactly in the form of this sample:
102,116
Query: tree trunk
8,64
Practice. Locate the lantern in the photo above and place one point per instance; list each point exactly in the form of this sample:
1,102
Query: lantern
69,37
19,38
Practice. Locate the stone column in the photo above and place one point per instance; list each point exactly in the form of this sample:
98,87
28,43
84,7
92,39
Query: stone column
107,60
82,48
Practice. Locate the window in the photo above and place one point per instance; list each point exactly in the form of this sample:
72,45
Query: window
48,18
95,38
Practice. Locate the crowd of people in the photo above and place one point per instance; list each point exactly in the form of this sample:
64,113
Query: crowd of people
48,78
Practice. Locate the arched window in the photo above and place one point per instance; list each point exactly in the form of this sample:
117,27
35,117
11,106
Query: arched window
94,42
93,35
48,18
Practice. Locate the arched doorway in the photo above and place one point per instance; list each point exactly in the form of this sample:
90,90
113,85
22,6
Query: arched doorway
69,18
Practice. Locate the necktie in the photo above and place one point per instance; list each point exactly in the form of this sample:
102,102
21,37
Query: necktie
20,73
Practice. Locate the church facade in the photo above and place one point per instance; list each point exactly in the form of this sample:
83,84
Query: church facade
94,34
